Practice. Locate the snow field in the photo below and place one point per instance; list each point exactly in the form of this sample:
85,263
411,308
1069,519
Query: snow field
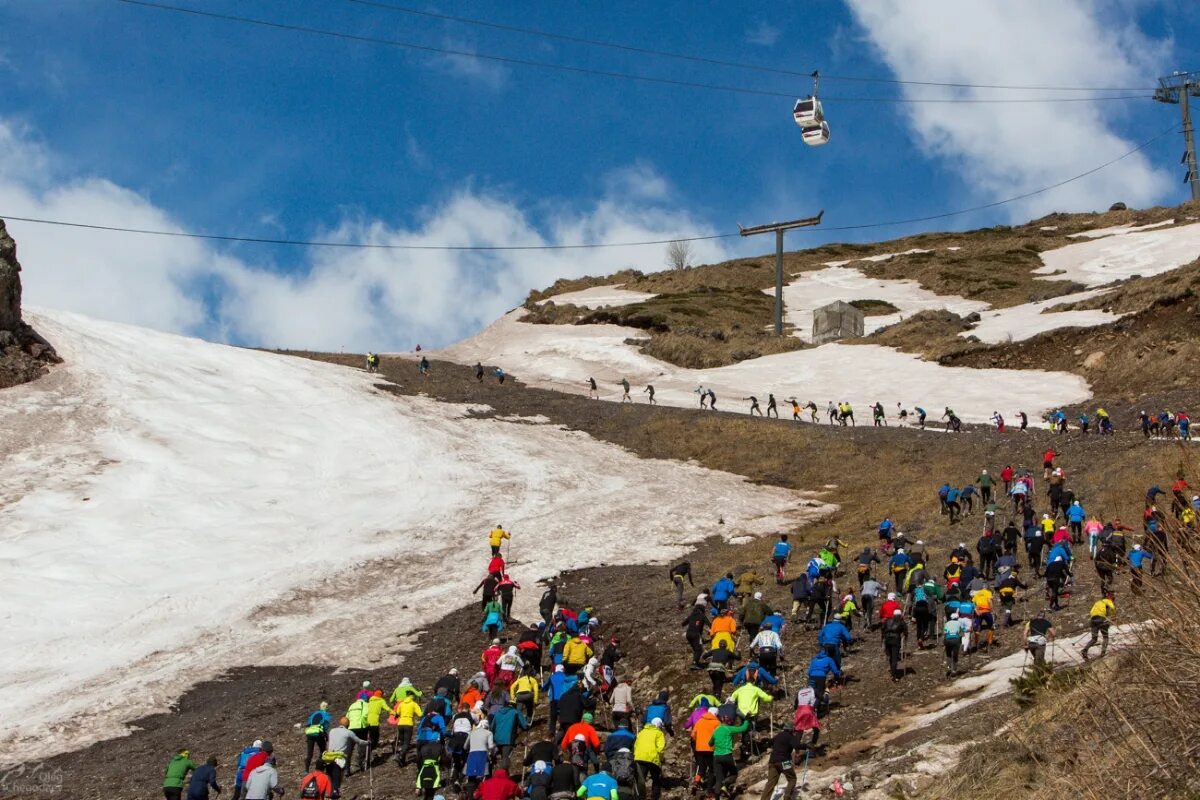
562,357
1017,323
1122,255
174,508
600,297
811,290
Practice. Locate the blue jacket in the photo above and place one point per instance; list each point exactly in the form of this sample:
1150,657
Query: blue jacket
558,684
834,633
742,675
952,496
1139,557
621,737
243,758
1076,513
202,779
1058,550
967,491
821,665
773,621
815,565
782,550
493,618
722,590
900,560
886,526
505,721
660,710
599,785
431,728
321,718
944,490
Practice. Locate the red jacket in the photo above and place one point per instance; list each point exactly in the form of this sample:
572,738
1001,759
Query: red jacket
252,763
324,785
498,787
885,610
496,566
1006,474
1048,456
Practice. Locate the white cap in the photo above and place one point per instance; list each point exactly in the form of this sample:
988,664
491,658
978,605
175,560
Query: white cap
366,684
758,595
495,641
257,743
891,595
656,722
1135,547
897,613
920,541
579,737
954,615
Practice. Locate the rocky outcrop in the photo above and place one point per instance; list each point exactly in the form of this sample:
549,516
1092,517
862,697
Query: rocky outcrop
23,353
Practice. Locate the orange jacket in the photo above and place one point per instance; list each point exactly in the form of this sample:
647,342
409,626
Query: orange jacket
589,735
723,624
702,733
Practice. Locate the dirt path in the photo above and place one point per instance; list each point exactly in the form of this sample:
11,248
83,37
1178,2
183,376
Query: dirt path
868,472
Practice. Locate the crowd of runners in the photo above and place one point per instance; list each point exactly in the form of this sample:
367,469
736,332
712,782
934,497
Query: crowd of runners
1163,424
551,711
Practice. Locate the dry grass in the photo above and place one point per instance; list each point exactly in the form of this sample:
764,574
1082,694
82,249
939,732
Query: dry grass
875,308
564,285
696,350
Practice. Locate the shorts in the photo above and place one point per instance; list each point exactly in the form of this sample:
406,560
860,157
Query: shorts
986,621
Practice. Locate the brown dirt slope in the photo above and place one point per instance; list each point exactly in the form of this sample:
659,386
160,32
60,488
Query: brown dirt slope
869,472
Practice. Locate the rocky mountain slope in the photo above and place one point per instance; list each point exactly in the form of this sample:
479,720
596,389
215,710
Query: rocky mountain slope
23,353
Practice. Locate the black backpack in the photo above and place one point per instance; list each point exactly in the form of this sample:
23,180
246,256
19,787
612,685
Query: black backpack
311,789
621,766
430,774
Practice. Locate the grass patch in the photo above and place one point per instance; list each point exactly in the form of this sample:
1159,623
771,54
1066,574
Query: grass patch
875,308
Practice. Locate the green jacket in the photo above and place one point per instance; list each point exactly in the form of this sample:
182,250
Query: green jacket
747,697
357,714
985,480
722,737
177,771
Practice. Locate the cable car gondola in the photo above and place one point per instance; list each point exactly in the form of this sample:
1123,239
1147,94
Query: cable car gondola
810,116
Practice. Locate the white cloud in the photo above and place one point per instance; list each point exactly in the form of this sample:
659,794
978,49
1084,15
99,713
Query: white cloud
1006,149
763,33
492,74
356,299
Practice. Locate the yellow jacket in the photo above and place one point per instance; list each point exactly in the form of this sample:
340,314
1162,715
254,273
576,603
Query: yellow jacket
576,651
983,601
497,536
1103,608
408,712
376,707
649,745
524,684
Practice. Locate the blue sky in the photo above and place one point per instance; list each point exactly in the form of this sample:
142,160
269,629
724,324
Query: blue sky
124,115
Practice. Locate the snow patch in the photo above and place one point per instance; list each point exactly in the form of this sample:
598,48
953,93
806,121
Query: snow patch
600,297
1117,230
1018,323
176,508
1120,256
